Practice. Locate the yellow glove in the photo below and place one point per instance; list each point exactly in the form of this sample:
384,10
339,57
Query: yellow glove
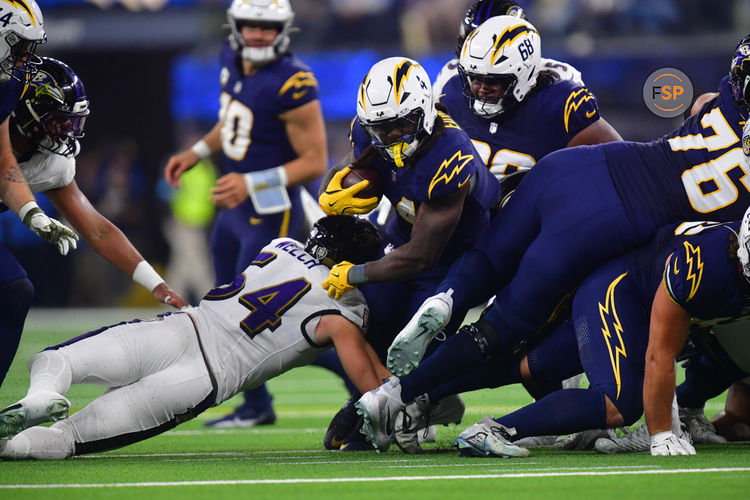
336,200
337,282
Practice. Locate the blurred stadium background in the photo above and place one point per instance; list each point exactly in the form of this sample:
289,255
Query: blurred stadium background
150,68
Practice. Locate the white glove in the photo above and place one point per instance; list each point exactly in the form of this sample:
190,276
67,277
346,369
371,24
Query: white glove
49,229
666,443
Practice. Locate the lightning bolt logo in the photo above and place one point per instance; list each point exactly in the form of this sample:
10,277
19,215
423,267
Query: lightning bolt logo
609,317
695,267
22,4
299,81
362,87
575,100
400,75
507,37
445,174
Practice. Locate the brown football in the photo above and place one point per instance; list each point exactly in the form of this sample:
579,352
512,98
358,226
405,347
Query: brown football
374,190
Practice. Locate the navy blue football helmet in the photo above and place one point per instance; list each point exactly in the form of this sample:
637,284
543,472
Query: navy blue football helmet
54,108
739,75
337,238
482,10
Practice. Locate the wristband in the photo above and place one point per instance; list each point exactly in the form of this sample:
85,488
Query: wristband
202,149
357,275
265,179
26,208
145,275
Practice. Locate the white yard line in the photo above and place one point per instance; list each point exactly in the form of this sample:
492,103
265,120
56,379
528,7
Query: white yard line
373,479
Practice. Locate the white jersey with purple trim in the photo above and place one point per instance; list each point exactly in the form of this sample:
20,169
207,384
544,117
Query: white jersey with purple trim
46,170
564,70
263,323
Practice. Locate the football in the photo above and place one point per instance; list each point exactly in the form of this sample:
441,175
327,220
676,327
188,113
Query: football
374,190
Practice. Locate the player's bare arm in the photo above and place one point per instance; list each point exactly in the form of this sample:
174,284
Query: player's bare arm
354,352
306,132
183,161
13,188
668,330
435,222
701,100
105,238
598,132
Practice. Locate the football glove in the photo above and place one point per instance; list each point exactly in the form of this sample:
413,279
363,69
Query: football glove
51,230
336,200
666,443
337,282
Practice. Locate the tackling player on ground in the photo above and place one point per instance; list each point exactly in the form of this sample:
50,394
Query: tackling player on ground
161,372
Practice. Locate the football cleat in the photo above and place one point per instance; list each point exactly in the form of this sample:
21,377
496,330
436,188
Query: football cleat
380,408
409,346
36,408
537,441
244,417
421,415
488,438
700,429
635,441
342,424
583,440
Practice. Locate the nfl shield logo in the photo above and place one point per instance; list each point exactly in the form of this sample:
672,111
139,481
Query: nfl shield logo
493,127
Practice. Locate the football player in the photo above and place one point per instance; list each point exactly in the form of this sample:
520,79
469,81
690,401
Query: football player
441,192
631,319
272,139
273,317
44,131
587,206
22,30
514,110
475,15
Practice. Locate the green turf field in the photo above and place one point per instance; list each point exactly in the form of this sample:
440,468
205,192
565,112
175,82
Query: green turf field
287,460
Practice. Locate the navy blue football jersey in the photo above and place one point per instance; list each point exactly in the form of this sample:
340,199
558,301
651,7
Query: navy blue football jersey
696,172
692,260
10,93
546,121
253,137
447,166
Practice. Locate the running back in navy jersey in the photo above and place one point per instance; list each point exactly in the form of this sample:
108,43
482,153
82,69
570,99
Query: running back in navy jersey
253,137
447,166
545,121
696,172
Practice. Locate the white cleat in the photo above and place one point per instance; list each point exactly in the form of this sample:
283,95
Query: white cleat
583,440
409,346
421,415
380,409
487,438
36,408
635,441
700,429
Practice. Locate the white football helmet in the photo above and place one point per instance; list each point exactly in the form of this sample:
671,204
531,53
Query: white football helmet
276,13
503,50
21,31
395,107
743,238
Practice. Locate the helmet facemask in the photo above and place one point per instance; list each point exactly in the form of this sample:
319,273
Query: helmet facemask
397,138
743,239
22,63
739,76
491,104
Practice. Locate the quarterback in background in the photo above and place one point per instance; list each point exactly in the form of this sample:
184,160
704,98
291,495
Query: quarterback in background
272,139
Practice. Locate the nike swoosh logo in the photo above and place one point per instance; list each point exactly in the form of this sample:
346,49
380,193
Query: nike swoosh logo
589,114
422,332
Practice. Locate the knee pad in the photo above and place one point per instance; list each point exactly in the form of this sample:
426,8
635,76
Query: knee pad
485,336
